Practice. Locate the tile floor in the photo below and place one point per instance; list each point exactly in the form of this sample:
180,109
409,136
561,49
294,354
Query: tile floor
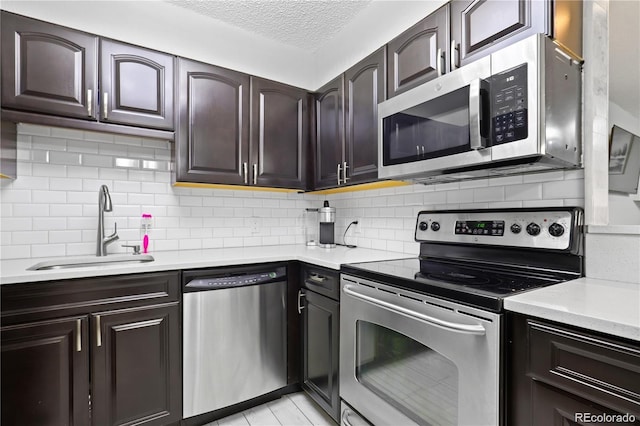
295,409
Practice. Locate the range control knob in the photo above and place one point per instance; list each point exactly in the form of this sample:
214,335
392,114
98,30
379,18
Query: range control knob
435,226
556,230
533,229
423,226
515,228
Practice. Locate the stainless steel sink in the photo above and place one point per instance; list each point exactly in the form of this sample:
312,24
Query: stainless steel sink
81,262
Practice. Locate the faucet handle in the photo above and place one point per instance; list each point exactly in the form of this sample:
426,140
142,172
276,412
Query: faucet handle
115,230
135,247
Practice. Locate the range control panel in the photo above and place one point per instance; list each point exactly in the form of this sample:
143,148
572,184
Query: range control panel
527,228
509,105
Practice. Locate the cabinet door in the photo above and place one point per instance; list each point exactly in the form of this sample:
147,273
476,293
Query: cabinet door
479,27
329,134
212,141
45,373
550,406
136,85
47,68
136,366
418,55
320,351
364,89
279,134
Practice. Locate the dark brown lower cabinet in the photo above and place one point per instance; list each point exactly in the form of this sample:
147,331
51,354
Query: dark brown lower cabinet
321,338
99,351
133,379
562,375
45,373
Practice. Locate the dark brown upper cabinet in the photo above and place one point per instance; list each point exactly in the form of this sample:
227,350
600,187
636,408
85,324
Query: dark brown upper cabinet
48,69
480,27
346,124
419,54
136,85
329,135
212,139
364,89
279,134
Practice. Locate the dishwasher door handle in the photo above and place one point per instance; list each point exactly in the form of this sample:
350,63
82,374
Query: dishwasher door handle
453,326
300,305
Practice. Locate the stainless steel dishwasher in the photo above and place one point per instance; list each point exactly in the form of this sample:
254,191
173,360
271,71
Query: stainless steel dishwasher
234,335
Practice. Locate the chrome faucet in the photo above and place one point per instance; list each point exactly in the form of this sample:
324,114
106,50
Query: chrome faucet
104,205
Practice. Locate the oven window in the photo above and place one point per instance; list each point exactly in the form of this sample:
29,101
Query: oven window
415,379
432,129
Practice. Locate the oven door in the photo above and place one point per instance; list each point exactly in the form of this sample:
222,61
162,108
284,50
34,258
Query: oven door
441,124
407,358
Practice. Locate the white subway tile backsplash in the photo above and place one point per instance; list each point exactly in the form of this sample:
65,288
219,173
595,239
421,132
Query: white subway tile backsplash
532,191
573,188
13,251
48,250
53,204
65,236
492,193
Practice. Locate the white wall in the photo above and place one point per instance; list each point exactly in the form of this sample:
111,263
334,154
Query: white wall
372,28
623,210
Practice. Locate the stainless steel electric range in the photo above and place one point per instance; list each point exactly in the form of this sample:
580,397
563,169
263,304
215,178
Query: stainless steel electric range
420,338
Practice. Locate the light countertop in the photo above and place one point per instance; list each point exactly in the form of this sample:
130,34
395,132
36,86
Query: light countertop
15,271
610,307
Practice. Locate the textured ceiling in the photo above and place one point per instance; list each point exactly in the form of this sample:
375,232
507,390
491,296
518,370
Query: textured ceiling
305,24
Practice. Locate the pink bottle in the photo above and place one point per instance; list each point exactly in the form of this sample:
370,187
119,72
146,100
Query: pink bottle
145,225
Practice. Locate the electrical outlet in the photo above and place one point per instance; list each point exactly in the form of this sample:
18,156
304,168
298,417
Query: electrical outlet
357,228
254,225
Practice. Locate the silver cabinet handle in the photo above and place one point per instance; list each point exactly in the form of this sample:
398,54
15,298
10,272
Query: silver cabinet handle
439,61
475,104
338,173
255,174
417,150
105,106
345,166
98,332
78,335
422,150
300,305
317,278
89,102
245,170
453,63
460,328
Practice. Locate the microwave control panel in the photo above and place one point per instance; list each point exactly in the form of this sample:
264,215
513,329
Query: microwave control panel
509,105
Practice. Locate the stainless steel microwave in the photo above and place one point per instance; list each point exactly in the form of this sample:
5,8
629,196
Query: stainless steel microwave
516,110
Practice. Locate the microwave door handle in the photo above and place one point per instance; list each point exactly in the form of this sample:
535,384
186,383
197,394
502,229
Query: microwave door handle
457,327
475,114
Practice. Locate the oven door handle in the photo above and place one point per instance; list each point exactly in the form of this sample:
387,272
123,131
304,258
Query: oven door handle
477,329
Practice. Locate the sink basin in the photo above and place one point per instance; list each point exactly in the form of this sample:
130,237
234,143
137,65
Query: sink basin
81,262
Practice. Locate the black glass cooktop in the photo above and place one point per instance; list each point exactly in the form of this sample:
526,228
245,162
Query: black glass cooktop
476,284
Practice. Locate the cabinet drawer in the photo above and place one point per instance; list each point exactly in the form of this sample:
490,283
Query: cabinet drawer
321,280
592,367
27,302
